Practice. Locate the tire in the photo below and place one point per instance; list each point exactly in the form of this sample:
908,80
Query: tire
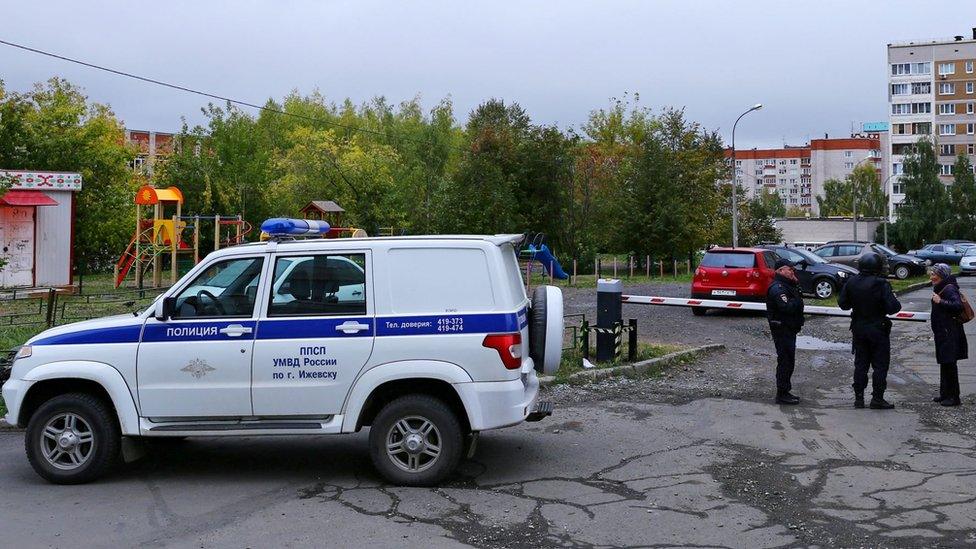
824,288
698,311
902,272
546,329
416,411
78,416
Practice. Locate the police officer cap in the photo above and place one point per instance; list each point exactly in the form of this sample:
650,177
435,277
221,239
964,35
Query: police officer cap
869,263
783,263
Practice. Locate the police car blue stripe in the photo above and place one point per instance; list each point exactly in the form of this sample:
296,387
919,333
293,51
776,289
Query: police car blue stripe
447,324
310,328
195,331
114,334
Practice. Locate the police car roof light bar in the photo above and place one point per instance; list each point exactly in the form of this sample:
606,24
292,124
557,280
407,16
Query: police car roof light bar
282,227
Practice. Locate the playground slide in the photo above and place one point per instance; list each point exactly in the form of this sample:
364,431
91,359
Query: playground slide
544,256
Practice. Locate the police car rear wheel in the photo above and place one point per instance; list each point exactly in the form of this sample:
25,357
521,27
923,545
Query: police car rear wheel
415,440
72,439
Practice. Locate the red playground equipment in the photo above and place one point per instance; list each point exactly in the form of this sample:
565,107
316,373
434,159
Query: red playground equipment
158,236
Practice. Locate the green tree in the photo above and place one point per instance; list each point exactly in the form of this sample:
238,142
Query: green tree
54,127
796,211
839,196
961,219
925,205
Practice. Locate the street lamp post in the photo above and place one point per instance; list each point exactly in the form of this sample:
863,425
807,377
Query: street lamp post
735,192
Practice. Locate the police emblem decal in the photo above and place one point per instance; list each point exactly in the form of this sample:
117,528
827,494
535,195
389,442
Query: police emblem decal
197,368
783,297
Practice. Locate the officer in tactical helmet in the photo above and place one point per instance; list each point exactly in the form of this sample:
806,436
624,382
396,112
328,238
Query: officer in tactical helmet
869,298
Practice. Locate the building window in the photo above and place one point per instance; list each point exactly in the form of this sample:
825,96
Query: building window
897,188
849,165
969,87
922,68
971,148
899,69
970,128
911,108
848,154
947,88
921,87
738,163
947,108
897,168
945,169
947,68
947,150
900,89
947,129
793,161
759,162
922,128
969,108
969,67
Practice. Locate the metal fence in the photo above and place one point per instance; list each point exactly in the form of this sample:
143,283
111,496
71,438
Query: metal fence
51,306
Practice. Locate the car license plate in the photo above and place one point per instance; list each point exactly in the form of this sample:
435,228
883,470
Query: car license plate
723,292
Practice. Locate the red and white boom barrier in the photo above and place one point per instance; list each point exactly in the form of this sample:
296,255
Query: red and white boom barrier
753,306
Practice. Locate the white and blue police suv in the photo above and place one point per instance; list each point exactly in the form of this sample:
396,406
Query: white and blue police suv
427,340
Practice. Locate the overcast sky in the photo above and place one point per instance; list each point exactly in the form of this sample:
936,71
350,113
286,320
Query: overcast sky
817,66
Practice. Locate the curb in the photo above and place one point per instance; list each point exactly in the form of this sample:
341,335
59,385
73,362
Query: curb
913,287
642,366
6,427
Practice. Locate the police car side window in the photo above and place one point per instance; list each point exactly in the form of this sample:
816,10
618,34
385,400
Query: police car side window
319,285
225,289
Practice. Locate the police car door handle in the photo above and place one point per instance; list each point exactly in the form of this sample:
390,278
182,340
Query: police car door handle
351,327
235,330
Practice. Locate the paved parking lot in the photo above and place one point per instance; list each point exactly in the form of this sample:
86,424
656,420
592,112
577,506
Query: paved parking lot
697,457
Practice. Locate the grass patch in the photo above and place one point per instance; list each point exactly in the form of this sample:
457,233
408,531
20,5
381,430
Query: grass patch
572,361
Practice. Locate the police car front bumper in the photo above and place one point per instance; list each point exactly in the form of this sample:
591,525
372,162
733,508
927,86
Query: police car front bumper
13,392
496,404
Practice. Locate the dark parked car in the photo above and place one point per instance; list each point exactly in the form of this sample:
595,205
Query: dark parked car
939,253
817,276
847,253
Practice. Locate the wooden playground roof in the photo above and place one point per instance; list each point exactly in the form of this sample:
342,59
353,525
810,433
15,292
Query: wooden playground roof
323,206
151,195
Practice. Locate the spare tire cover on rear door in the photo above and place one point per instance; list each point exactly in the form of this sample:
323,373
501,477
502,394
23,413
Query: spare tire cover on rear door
546,329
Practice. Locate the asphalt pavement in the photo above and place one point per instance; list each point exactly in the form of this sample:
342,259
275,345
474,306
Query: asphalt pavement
697,457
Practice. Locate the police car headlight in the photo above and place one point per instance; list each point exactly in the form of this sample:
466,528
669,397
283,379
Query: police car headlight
24,352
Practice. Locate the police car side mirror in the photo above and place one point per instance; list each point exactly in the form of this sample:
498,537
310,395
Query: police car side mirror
165,308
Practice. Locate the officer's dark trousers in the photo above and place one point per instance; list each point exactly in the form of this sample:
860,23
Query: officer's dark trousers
872,349
785,341
949,380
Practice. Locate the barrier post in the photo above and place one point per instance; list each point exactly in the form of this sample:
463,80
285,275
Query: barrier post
615,266
648,266
216,232
661,265
608,316
688,262
573,281
585,339
196,239
631,259
674,270
632,340
173,246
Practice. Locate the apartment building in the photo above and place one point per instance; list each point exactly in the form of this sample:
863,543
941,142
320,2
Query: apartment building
152,147
931,94
797,173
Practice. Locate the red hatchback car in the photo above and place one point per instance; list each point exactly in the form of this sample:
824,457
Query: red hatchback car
740,274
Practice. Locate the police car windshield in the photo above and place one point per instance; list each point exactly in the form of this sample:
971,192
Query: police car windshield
729,260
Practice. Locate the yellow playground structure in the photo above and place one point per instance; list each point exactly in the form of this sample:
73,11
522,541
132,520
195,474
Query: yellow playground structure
162,235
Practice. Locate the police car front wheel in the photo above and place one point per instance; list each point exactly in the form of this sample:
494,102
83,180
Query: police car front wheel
415,440
72,438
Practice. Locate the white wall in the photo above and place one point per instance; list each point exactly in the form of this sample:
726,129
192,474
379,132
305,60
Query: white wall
52,245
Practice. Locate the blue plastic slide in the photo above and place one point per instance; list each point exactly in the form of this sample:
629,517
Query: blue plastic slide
544,256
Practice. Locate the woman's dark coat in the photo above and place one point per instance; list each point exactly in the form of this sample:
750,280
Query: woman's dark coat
950,339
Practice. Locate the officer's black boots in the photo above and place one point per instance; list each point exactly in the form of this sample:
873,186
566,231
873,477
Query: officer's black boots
787,398
951,401
881,404
859,400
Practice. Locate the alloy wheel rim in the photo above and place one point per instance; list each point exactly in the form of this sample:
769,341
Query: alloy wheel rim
413,444
67,441
823,289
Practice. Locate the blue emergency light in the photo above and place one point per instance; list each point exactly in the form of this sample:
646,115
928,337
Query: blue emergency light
284,226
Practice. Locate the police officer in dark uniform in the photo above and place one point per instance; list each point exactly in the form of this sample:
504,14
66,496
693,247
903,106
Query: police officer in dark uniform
784,310
869,298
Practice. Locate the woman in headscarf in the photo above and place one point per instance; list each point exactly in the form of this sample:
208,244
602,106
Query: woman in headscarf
950,339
